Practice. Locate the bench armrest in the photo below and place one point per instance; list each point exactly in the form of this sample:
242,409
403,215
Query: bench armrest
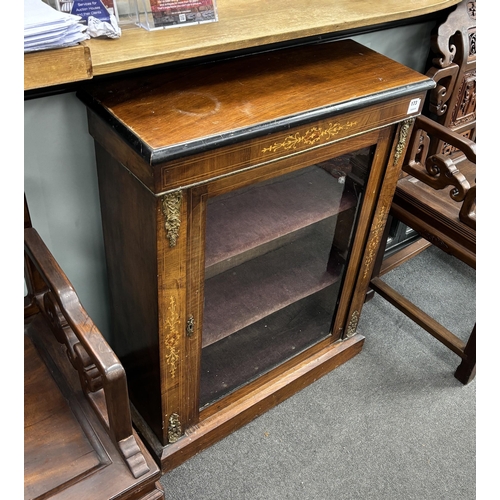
101,373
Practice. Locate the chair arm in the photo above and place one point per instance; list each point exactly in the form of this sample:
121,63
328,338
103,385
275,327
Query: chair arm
438,170
98,366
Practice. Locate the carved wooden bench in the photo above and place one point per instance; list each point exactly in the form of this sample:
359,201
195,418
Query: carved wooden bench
78,438
436,194
438,200
452,103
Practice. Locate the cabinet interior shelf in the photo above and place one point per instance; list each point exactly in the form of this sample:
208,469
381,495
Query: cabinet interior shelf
242,357
260,216
255,239
267,284
272,272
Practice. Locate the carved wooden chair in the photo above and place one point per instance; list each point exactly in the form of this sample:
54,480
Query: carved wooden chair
436,194
78,436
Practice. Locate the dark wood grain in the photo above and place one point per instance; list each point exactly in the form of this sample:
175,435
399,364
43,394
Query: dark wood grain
195,135
125,206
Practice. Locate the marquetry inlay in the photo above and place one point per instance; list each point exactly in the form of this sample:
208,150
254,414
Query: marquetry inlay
172,324
371,250
353,324
311,137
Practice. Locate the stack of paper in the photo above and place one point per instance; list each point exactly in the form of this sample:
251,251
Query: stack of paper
47,28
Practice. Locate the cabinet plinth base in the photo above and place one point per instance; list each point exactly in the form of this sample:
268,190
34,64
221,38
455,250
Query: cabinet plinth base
244,410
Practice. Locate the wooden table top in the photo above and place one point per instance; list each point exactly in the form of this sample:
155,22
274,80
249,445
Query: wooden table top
195,108
242,24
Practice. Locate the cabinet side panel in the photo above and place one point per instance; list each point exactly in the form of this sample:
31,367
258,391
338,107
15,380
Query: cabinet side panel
129,227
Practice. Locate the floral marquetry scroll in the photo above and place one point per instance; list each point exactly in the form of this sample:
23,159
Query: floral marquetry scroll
311,137
172,324
378,229
403,137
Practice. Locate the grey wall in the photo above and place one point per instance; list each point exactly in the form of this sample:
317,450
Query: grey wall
60,183
60,178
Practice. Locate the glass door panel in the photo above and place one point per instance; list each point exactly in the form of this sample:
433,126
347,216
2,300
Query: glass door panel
276,254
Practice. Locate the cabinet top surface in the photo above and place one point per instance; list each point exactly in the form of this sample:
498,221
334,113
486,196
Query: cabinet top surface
242,24
248,96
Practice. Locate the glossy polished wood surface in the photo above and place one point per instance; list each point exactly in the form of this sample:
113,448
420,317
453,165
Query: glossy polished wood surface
211,105
167,145
242,24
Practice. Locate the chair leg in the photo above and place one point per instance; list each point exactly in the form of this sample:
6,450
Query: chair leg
467,369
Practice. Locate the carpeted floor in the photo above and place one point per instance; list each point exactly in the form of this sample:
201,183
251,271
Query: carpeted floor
391,424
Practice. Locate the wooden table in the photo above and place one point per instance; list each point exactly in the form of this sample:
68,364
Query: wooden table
242,24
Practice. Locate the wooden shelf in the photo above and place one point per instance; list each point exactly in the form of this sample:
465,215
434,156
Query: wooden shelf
243,24
273,241
56,67
236,360
269,283
249,222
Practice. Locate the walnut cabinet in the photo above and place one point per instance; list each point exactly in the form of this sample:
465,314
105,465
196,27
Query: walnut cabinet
243,202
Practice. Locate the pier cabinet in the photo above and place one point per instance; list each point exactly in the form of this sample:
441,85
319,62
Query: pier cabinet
243,202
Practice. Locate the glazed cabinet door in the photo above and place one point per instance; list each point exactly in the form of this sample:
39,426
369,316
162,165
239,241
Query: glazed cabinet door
275,255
